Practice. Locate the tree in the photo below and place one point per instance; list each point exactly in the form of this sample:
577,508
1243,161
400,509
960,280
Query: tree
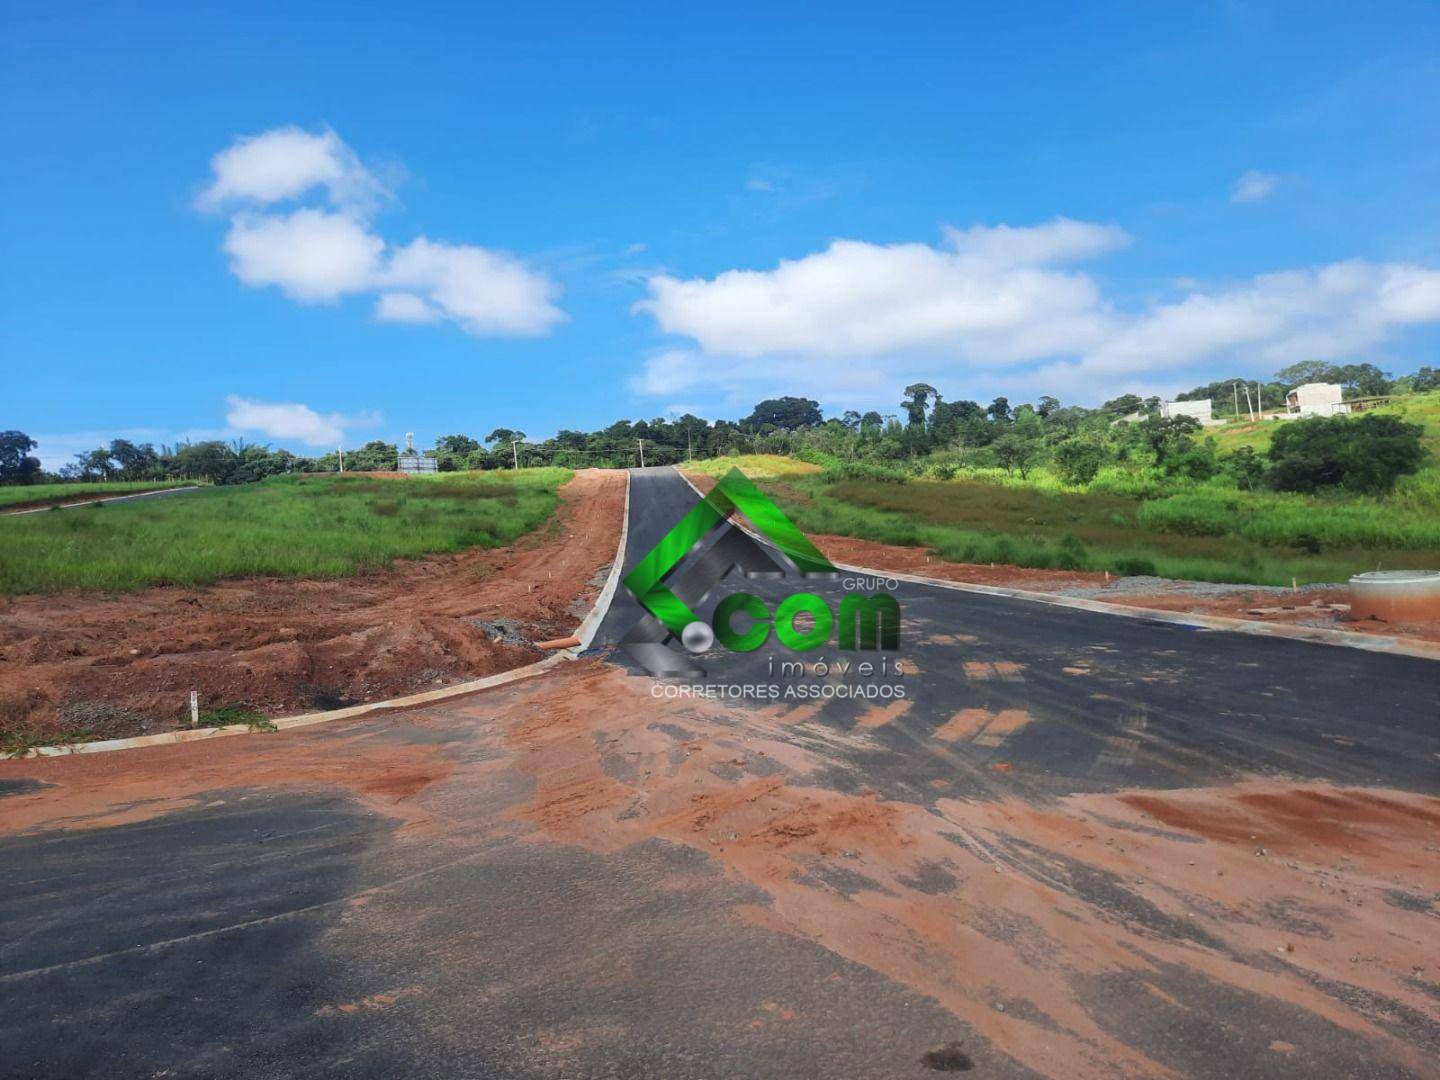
1367,454
1427,378
375,456
1365,379
1124,405
1015,452
211,460
1306,371
1246,468
1048,405
136,462
917,398
999,410
504,435
786,413
1079,460
16,464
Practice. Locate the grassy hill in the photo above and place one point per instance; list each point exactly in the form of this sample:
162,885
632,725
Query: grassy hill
290,526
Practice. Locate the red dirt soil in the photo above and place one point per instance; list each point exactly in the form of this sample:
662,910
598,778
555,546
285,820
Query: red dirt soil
125,664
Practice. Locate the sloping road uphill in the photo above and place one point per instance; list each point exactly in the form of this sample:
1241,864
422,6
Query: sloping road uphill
1081,845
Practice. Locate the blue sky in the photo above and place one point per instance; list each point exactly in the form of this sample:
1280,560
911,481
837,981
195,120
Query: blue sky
631,210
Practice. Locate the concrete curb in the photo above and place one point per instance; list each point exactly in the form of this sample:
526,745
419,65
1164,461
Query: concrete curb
1313,634
588,626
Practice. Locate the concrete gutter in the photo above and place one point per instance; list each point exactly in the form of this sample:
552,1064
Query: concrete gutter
585,634
1394,646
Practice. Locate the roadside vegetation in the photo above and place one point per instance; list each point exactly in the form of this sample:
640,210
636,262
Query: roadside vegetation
1125,487
289,526
1206,534
1268,502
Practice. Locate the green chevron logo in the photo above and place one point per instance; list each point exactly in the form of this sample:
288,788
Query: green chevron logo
669,599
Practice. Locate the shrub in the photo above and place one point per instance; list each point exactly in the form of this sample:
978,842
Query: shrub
865,470
1078,460
1244,467
1369,454
1131,566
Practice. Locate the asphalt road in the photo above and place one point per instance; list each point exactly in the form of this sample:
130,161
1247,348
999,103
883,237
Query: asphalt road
1161,705
571,877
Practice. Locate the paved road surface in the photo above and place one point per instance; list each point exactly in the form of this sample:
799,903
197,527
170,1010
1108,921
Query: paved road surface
1083,845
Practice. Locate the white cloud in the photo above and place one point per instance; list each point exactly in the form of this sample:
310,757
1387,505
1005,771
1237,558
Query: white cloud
292,421
1254,187
1058,241
857,315
311,255
404,308
857,299
319,254
286,163
1325,313
486,292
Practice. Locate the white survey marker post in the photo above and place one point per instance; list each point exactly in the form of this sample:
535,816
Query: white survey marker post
194,708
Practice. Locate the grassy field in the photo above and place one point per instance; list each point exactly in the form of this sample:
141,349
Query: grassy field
1201,532
57,493
302,527
755,466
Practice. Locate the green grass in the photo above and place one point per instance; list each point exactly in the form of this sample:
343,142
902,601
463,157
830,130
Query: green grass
755,466
237,712
1203,534
57,493
298,527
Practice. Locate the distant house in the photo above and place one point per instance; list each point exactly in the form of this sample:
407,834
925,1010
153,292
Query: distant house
1196,410
1316,399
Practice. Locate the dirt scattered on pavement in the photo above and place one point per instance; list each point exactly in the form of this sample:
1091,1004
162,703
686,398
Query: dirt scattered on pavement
979,904
119,665
1306,899
118,788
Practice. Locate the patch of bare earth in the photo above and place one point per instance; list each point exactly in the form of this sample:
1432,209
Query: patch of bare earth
125,664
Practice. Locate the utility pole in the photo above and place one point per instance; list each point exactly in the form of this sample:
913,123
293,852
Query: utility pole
1236,389
689,446
341,451
1259,408
515,449
641,444
1250,409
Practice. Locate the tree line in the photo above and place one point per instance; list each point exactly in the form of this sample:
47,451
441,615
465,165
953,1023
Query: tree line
925,433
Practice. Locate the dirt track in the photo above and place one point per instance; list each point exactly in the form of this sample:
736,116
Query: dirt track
124,664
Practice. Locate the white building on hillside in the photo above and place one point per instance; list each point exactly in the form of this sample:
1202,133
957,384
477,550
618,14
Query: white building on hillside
1316,399
1198,410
